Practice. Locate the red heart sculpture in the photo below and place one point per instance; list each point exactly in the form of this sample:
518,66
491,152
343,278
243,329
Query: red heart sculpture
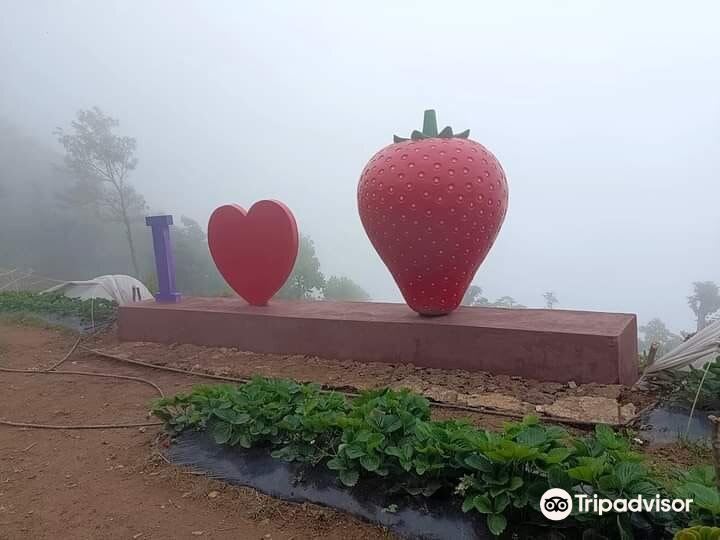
254,251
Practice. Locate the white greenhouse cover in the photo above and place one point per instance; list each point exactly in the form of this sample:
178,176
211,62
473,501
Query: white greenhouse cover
696,351
115,287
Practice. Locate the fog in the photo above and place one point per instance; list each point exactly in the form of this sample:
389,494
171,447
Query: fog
604,116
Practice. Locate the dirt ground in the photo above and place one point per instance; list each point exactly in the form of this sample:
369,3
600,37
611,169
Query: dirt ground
113,483
91,484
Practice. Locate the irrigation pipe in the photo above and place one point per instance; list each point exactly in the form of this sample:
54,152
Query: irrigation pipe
53,371
87,374
68,355
83,426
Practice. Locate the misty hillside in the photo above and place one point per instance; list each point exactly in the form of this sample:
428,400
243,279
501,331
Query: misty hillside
603,116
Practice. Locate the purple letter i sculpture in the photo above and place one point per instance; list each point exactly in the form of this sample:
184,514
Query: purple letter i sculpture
164,259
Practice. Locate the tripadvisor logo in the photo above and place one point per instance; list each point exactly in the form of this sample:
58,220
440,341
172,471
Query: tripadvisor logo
556,504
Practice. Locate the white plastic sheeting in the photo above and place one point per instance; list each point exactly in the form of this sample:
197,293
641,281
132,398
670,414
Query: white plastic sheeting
114,287
696,351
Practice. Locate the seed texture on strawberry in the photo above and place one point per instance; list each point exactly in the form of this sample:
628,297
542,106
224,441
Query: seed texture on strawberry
432,206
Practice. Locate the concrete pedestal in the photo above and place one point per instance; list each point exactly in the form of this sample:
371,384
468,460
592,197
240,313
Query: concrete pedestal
547,345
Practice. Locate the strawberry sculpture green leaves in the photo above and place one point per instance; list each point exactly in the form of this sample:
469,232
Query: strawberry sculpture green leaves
432,206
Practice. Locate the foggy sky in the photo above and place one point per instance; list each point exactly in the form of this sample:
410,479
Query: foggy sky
604,116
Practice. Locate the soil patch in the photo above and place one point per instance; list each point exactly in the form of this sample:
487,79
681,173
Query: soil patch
612,403
110,483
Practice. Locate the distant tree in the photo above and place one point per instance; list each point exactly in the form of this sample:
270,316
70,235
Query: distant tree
306,280
507,302
101,162
656,332
704,301
196,272
344,288
473,297
550,299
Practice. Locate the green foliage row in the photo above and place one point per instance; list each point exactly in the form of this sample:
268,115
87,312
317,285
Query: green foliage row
57,304
390,434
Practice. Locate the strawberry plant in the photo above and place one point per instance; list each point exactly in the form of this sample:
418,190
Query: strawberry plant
512,471
98,309
377,434
389,435
312,431
603,464
298,418
439,452
700,485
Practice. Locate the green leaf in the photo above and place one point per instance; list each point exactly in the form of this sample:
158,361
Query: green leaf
244,441
704,497
408,451
375,440
584,473
469,503
501,502
371,462
335,464
515,483
354,451
588,470
497,478
607,437
629,472
483,504
496,523
221,432
479,462
701,474
556,455
363,436
532,436
349,477
644,488
423,431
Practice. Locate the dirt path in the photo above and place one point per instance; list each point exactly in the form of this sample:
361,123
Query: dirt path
92,484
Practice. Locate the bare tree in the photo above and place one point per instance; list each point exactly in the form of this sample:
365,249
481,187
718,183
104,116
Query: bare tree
656,332
101,162
550,299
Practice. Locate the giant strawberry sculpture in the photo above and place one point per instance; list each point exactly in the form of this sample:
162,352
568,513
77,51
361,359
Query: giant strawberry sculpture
432,206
